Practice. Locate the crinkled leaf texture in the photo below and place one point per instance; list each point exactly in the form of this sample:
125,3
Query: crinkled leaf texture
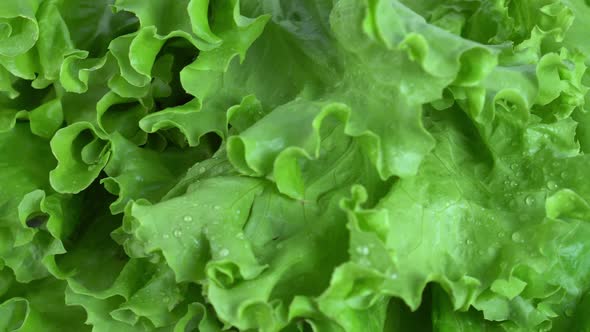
309,165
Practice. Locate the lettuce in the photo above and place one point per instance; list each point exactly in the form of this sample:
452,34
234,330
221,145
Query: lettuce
266,165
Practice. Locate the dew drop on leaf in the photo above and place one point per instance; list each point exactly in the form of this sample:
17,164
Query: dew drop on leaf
363,250
517,237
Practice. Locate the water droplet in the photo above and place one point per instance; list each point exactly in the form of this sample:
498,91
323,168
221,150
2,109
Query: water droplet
177,233
393,276
501,234
166,299
514,184
238,212
514,166
223,252
551,185
240,235
217,207
362,250
517,237
529,200
469,242
166,236
187,218
280,246
563,175
139,178
507,182
202,170
403,88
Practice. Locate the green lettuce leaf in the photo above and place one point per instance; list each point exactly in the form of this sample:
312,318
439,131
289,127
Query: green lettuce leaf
269,165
